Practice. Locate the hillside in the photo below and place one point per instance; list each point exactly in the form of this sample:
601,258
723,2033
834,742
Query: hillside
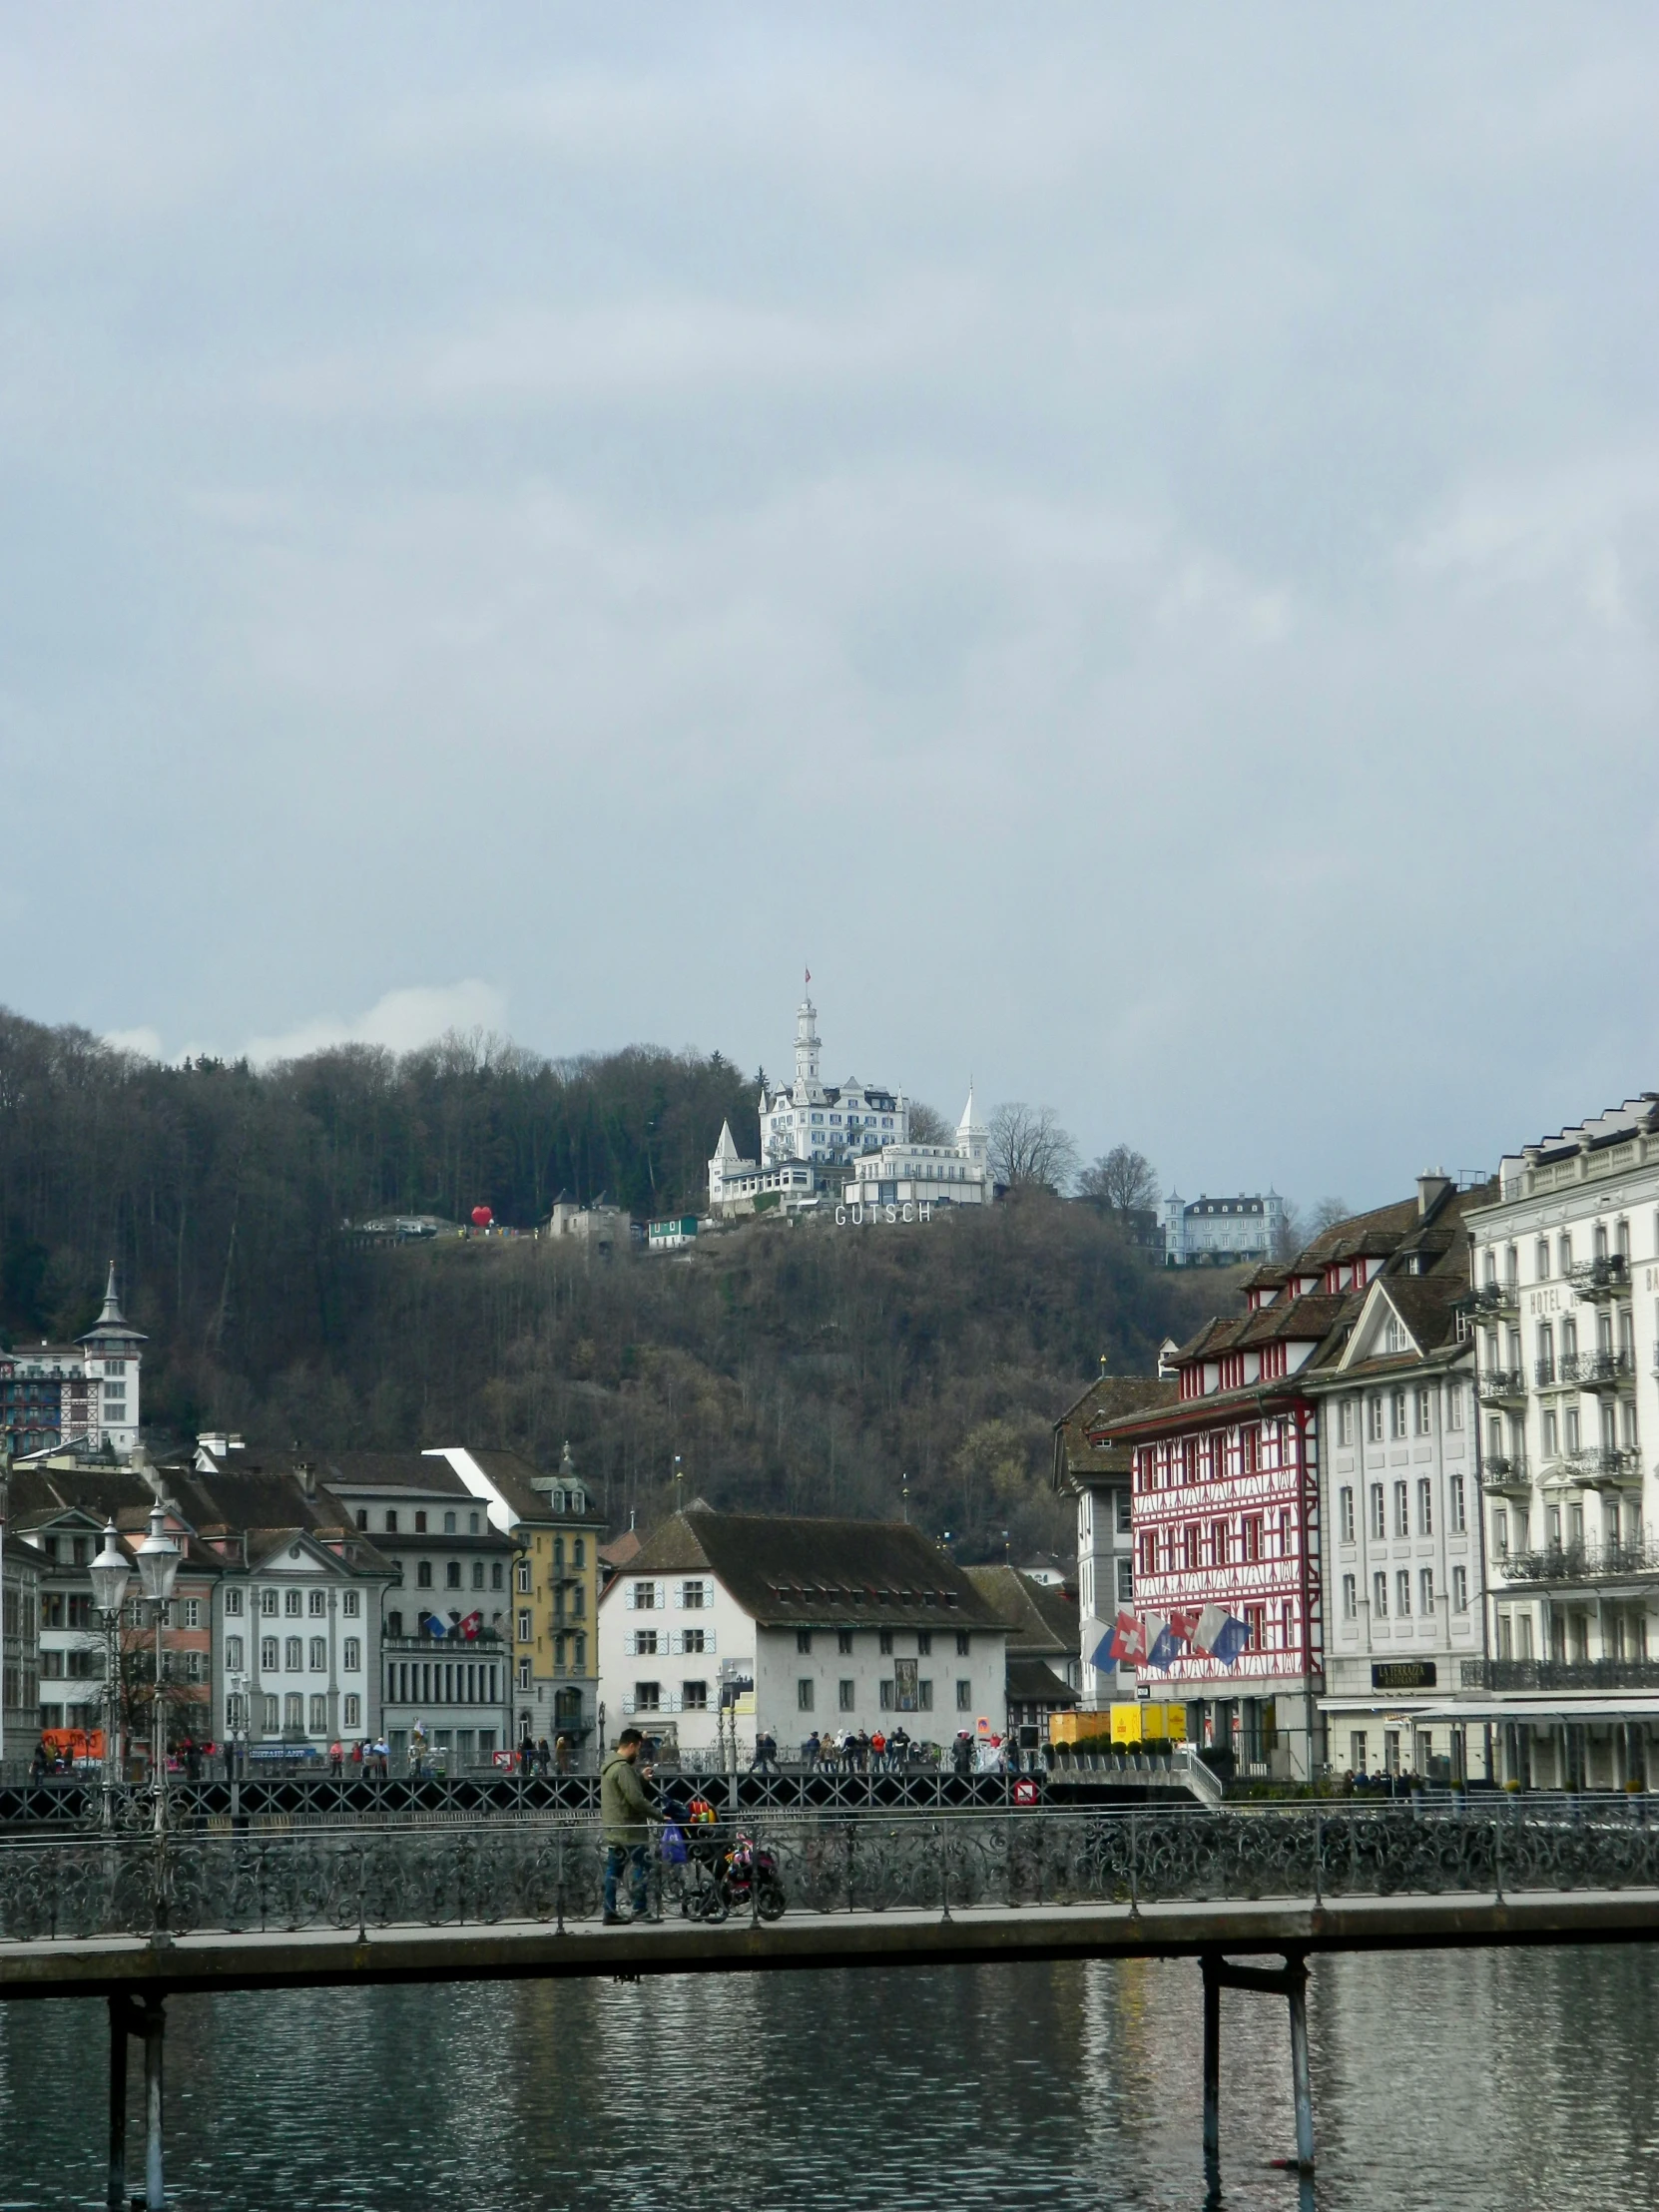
799,1367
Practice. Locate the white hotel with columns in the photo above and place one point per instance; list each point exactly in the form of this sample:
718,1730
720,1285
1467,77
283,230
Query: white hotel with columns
850,1140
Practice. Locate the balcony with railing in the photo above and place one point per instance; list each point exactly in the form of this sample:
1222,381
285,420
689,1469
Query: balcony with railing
1581,1562
1503,1386
1541,1677
1506,1474
1602,1279
1494,1297
1601,1466
1607,1370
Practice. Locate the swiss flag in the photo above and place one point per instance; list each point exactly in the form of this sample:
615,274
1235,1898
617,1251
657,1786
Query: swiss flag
1127,1643
470,1626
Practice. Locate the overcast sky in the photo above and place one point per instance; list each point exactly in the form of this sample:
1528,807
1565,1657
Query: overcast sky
1123,539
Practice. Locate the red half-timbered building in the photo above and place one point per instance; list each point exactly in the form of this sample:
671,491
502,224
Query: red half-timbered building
1224,1507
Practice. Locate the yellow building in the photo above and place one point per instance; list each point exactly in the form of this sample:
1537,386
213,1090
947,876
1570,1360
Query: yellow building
556,1533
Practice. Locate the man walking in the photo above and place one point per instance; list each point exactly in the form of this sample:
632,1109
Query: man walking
625,1815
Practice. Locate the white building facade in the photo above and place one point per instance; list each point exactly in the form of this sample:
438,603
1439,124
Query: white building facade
81,1397
1221,1231
1400,1527
806,1626
1566,1331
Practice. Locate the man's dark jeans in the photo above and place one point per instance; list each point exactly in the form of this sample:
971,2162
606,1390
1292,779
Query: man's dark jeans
631,1855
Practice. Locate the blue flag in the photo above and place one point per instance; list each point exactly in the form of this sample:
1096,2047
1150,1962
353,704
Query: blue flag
1164,1649
434,1624
1231,1639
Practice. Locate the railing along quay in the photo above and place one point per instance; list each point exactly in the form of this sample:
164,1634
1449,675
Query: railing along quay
833,1862
76,1803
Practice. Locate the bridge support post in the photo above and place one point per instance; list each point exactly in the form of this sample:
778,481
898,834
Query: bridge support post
1212,2073
154,2029
1291,1981
120,2030
1302,2088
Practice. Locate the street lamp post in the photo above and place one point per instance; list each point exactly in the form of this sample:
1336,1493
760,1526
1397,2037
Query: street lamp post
111,1576
158,1565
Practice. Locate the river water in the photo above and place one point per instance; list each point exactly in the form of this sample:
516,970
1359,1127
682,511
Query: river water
1488,2079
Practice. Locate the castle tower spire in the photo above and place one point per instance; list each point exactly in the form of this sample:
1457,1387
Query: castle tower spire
808,1085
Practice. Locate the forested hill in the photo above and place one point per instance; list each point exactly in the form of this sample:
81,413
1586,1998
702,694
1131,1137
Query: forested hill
801,1368
219,1189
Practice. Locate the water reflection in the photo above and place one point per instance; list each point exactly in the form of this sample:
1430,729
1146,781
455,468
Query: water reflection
1439,2081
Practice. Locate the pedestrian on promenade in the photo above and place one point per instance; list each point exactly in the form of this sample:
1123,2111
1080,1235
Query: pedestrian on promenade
561,1755
961,1757
625,1826
810,1751
879,1752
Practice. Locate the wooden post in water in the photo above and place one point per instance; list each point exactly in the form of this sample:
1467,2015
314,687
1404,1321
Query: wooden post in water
119,2028
1296,1977
155,2028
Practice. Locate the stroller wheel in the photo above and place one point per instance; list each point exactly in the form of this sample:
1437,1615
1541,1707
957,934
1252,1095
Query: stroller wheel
769,1902
713,1907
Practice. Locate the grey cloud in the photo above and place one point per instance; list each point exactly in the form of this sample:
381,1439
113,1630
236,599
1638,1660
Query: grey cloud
1120,539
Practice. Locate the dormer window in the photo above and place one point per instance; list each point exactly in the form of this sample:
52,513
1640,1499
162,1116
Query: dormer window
1394,1335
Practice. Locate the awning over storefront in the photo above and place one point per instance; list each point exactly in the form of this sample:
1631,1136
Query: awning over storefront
1640,1705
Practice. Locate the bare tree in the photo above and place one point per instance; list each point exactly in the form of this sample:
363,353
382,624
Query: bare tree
1121,1181
1296,1229
1029,1148
928,1125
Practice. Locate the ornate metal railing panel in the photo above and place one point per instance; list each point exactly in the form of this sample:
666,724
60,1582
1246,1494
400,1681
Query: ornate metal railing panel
549,1871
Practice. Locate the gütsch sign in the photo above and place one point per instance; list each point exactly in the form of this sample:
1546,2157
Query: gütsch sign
858,1214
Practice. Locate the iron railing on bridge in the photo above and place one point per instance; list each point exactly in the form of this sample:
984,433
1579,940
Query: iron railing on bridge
547,1872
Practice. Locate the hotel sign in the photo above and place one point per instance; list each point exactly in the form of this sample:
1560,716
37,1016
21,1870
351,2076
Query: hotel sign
1404,1674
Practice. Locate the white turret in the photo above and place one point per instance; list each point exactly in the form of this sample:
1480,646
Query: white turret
112,1354
972,1137
809,1086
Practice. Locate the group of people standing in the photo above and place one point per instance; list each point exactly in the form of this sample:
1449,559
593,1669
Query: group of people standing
859,1752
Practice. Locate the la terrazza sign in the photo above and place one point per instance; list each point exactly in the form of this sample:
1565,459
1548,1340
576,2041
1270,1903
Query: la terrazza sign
1404,1674
857,1214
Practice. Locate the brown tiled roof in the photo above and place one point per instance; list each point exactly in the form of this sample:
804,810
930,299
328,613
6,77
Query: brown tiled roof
1034,1682
1309,1319
392,1470
1217,1333
1077,1453
1374,1235
819,1573
1042,1619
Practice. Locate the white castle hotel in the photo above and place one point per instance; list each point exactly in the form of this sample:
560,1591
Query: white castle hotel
851,1141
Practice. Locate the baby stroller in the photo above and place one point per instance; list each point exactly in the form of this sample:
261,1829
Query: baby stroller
690,1855
750,1881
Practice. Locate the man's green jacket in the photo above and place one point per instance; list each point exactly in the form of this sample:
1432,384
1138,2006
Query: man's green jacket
624,1807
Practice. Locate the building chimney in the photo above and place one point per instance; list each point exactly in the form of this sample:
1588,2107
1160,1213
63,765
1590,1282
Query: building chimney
306,1471
1431,1188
